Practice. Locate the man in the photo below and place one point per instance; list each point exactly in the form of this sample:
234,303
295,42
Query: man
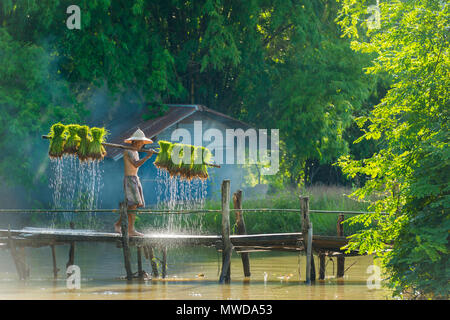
132,185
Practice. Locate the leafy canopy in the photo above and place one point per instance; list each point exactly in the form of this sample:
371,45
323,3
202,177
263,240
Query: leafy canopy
410,174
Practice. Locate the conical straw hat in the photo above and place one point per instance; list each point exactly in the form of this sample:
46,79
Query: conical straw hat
138,135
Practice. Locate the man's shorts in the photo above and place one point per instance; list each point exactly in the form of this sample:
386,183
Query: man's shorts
133,191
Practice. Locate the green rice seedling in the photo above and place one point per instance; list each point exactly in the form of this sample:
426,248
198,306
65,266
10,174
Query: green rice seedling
57,140
185,164
196,168
96,150
85,139
163,157
207,155
73,140
189,173
174,164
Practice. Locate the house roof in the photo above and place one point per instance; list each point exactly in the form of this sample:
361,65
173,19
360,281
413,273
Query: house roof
152,127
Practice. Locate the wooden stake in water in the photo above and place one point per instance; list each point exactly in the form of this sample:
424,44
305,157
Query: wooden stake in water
227,247
125,240
307,235
340,258
240,226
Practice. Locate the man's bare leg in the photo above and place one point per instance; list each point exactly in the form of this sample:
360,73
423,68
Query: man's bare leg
117,225
131,220
131,230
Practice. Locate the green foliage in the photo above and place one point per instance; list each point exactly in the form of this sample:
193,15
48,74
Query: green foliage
410,174
276,64
32,98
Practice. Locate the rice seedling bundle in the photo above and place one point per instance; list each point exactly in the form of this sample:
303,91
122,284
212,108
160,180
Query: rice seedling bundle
189,175
185,165
207,155
57,140
172,165
163,158
85,139
73,140
96,150
196,168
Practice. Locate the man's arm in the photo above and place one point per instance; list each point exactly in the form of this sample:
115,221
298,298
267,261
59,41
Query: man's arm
137,163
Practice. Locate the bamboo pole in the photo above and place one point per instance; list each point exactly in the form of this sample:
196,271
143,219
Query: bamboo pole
120,146
125,239
240,224
341,258
227,246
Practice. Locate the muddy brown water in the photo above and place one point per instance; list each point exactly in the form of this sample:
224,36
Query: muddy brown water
192,274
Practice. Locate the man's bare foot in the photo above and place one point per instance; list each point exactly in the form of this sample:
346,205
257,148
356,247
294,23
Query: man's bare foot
117,228
134,233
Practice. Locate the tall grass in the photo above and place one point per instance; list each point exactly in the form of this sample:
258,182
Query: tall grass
321,198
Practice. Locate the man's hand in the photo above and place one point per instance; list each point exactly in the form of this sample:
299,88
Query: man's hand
150,152
138,163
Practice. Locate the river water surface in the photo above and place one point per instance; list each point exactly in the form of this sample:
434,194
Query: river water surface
192,274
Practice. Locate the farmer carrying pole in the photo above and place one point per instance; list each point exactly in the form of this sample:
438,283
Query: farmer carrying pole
132,185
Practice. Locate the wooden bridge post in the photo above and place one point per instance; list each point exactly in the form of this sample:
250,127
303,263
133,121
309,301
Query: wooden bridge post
164,262
240,224
19,258
148,250
227,247
55,268
139,261
307,232
125,240
321,266
71,260
340,258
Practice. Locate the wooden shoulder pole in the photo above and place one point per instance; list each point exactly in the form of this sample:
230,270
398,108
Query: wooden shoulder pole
227,247
240,226
340,258
125,240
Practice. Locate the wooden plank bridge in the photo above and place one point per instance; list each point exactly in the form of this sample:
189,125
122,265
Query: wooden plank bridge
304,242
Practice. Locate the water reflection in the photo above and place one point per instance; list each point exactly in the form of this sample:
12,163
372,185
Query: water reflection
102,265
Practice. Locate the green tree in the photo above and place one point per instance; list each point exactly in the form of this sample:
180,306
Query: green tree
410,174
31,97
274,63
